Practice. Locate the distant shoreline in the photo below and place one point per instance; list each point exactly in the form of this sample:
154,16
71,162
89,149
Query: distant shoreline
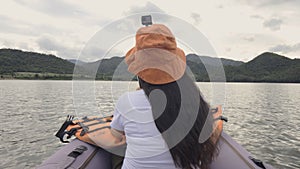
70,79
267,67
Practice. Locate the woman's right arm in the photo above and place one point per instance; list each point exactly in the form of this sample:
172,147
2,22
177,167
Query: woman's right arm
120,135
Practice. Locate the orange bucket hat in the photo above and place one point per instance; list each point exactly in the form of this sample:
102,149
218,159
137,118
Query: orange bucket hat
156,58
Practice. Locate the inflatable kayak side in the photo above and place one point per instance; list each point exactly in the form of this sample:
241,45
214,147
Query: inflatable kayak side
231,155
78,154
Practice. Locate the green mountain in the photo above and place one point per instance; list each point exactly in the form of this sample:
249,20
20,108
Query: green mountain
212,60
102,69
12,61
267,67
201,65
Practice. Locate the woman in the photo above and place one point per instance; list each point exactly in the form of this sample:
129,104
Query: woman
163,121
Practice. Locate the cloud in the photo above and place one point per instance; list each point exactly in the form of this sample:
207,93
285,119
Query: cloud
92,52
12,44
53,7
46,43
283,48
245,37
273,24
24,45
53,46
228,49
257,17
196,17
6,43
132,21
220,6
9,25
148,7
20,27
248,38
267,3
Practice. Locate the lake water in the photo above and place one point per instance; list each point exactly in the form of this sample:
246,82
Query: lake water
263,117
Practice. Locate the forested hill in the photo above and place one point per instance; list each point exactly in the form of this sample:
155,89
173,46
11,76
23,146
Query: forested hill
12,61
267,67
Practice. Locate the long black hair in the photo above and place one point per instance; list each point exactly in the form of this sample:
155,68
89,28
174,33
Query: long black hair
181,121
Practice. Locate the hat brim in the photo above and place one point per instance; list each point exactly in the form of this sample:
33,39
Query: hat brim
156,65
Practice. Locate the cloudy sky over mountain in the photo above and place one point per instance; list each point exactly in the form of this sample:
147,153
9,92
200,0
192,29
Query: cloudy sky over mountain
237,29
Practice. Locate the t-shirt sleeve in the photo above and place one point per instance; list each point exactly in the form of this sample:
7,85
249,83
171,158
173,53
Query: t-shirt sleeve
122,106
117,122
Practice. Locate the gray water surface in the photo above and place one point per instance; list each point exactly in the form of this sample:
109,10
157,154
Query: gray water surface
263,117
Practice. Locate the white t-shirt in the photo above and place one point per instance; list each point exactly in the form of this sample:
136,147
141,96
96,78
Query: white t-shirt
145,146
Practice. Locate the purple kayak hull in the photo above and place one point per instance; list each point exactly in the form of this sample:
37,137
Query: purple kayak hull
231,156
93,157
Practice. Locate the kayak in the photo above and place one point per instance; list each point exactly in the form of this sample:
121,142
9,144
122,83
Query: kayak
231,156
92,132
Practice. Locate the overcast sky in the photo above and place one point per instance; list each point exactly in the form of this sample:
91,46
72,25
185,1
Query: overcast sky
237,29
